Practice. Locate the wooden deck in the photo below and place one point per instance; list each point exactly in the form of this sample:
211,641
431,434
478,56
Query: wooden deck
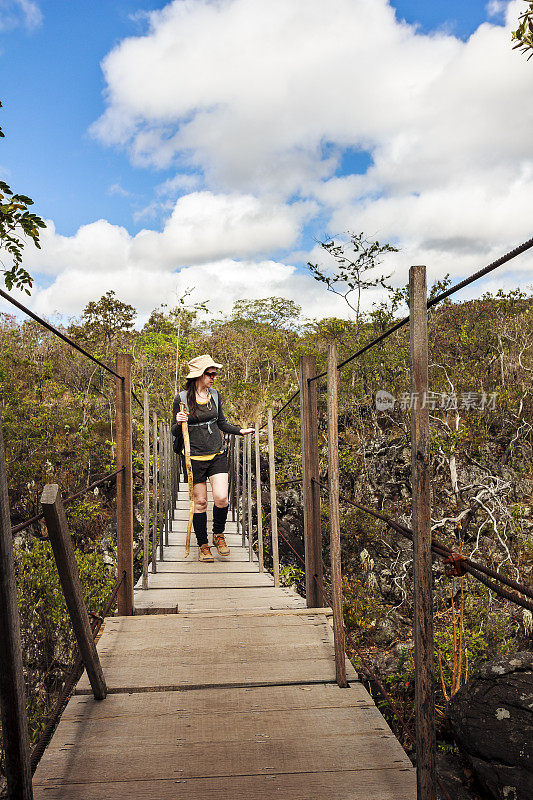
222,687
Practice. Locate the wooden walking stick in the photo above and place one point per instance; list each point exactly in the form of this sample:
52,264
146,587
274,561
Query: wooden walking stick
187,444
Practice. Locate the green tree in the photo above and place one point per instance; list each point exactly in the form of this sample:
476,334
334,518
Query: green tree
16,224
354,262
523,35
102,321
275,311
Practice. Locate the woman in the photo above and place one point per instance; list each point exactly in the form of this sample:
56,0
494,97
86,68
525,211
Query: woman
206,421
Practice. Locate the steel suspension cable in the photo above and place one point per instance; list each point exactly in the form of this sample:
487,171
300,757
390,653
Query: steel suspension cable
58,333
458,286
23,525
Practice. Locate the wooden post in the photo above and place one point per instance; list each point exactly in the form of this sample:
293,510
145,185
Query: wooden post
146,508
249,495
273,497
238,481
12,696
154,492
310,489
334,517
124,486
244,519
161,513
59,536
165,483
258,495
421,522
232,475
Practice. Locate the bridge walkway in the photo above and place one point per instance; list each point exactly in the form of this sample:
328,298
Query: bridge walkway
222,687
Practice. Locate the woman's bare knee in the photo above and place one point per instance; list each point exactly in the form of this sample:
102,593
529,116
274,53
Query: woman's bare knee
200,505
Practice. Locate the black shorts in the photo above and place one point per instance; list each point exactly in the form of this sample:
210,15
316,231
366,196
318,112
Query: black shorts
201,470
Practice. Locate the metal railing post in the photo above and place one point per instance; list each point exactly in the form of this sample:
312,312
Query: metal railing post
161,474
12,696
146,508
334,516
124,485
237,482
154,492
259,506
310,489
244,516
273,497
421,522
249,494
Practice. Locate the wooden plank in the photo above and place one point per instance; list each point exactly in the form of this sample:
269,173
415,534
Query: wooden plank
177,553
124,484
334,515
133,677
238,726
190,600
363,784
310,474
12,695
191,566
151,653
59,536
148,760
208,580
421,520
273,497
213,701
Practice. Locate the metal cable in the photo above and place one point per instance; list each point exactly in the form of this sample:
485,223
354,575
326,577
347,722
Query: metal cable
23,525
443,551
55,331
458,286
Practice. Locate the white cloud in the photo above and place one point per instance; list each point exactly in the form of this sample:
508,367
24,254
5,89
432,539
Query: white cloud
20,12
254,103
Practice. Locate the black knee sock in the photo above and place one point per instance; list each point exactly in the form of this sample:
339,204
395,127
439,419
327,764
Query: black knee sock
219,519
199,523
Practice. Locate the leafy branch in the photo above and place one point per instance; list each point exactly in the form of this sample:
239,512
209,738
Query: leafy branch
16,223
354,260
523,35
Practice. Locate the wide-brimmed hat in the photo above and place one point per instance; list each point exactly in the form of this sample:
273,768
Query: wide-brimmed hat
197,366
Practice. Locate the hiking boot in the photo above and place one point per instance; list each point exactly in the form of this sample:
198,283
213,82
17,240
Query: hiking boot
220,543
204,553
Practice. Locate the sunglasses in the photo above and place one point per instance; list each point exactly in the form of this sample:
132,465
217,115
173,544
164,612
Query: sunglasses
210,374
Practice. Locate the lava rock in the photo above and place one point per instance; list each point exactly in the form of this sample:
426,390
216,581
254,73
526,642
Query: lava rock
492,719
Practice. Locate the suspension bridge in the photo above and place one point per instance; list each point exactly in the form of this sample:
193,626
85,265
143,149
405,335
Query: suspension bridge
213,680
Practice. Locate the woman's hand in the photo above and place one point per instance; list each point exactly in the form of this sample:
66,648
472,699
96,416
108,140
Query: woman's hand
246,431
182,416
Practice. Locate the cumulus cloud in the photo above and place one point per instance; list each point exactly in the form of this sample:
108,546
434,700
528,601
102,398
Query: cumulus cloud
254,105
263,99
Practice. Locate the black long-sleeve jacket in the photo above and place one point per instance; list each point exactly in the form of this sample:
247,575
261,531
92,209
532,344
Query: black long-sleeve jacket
206,438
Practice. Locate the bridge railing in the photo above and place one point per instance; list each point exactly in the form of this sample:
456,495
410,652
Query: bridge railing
19,762
424,545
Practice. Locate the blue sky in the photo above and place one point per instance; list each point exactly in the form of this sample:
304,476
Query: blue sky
54,91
